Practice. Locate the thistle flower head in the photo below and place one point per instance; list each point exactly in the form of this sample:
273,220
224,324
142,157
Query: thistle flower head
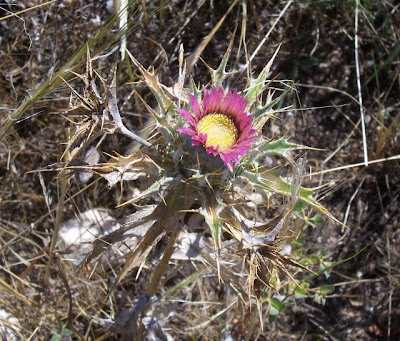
220,124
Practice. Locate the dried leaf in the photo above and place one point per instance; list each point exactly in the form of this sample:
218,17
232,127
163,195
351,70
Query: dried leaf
126,168
154,85
112,108
168,214
141,221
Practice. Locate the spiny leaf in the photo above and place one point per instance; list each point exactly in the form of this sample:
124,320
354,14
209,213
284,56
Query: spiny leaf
66,71
168,214
142,220
125,168
155,187
163,264
257,86
277,147
272,183
210,210
112,106
262,110
219,75
165,128
153,84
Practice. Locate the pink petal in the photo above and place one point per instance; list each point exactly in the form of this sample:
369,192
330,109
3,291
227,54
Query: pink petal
243,121
245,144
241,151
189,118
196,143
247,140
212,150
187,131
212,100
202,138
195,107
231,154
247,131
226,159
234,105
229,165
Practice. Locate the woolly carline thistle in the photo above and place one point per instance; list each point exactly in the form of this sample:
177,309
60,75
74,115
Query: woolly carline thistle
220,125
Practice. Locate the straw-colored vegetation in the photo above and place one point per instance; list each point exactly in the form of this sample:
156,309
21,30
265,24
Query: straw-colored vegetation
113,227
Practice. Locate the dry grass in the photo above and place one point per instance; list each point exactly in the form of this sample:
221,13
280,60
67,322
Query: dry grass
42,152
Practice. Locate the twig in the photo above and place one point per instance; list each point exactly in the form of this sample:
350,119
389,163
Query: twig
359,84
389,233
391,158
70,304
59,214
346,215
270,31
194,57
26,10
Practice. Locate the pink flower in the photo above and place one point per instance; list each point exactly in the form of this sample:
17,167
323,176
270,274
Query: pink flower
221,125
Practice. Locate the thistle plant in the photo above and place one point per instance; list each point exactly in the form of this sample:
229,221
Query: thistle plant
221,128
204,158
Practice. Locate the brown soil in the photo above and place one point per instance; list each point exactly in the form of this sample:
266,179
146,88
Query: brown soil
316,58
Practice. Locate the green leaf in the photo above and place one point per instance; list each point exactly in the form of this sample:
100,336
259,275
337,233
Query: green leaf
278,147
185,282
300,292
318,220
162,123
326,289
219,75
333,265
210,210
393,54
257,86
266,109
61,335
326,269
320,299
277,307
272,183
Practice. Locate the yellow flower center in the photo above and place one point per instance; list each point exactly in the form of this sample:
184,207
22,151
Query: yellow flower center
220,130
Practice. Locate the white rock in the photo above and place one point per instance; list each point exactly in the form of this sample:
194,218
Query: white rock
88,226
9,326
92,157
